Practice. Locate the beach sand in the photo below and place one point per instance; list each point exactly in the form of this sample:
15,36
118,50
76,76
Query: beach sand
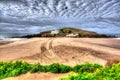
5,42
68,51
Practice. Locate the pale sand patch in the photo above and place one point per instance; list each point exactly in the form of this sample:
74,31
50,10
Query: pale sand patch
38,76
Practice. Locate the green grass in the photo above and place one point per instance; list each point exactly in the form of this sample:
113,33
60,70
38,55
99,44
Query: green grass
86,68
105,73
10,69
85,71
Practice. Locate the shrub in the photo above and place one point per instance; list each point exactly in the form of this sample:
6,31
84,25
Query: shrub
85,71
8,69
37,68
86,67
104,73
54,68
57,68
65,69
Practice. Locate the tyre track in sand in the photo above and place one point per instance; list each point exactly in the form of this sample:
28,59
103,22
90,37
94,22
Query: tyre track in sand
46,55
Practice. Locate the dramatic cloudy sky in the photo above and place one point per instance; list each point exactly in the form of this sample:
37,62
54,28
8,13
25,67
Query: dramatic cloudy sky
18,17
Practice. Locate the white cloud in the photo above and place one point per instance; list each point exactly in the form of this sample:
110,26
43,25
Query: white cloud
32,16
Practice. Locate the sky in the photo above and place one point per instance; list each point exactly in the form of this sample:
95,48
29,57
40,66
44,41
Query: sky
22,17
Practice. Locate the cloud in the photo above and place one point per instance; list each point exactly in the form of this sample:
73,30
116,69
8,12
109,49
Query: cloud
33,16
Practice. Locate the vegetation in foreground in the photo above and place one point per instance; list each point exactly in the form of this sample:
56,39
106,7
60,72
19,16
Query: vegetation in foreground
68,32
105,73
9,69
85,71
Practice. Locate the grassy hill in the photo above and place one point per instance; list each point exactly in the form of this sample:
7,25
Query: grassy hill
68,32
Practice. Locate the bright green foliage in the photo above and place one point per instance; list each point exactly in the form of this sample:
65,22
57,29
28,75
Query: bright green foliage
57,68
9,69
85,71
81,76
86,67
37,68
105,73
53,68
13,69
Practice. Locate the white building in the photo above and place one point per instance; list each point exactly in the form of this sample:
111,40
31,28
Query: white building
54,32
72,35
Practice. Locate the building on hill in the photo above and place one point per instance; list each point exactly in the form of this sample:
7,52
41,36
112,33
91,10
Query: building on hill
72,35
55,32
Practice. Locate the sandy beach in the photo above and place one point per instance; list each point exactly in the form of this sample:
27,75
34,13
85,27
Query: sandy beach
68,51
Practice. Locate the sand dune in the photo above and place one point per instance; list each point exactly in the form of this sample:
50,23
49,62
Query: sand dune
69,51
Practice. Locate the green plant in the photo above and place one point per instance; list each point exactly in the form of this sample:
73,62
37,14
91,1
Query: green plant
8,69
104,73
86,67
37,68
85,71
57,68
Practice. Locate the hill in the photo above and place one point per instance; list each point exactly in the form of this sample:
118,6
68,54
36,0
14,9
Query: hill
68,32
